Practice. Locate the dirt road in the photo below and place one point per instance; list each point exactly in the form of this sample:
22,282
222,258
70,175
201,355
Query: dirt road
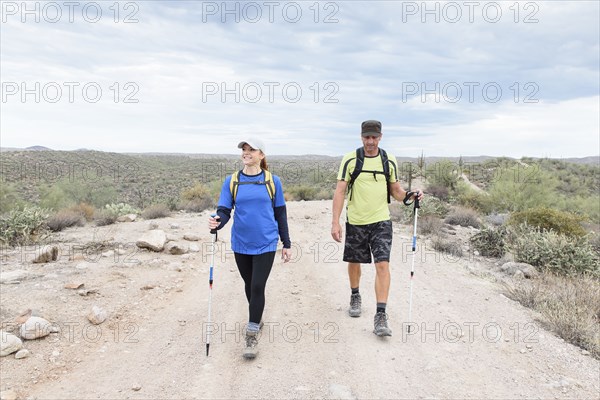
468,341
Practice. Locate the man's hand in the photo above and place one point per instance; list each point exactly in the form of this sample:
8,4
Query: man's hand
336,231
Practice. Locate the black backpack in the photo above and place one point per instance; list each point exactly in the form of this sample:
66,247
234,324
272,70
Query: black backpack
358,169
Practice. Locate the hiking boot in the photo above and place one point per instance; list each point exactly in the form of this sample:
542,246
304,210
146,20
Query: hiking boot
355,303
381,325
250,350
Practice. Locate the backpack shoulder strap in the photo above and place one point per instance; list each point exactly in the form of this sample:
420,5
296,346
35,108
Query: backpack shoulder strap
233,185
386,171
270,184
358,166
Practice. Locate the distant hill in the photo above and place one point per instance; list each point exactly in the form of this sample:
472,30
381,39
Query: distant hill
38,148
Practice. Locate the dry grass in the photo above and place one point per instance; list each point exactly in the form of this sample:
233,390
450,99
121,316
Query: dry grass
570,307
156,211
464,217
65,219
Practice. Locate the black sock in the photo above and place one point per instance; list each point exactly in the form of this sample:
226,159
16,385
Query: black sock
354,290
381,307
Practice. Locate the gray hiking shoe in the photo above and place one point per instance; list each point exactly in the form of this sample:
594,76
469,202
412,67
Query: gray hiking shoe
355,303
381,325
250,350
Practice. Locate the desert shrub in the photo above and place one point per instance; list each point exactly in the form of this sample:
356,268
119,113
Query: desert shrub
65,219
439,191
22,227
156,211
197,198
428,206
496,219
105,217
561,222
554,252
443,173
447,246
9,198
569,306
490,242
118,209
85,209
465,196
463,217
429,224
519,188
66,193
302,192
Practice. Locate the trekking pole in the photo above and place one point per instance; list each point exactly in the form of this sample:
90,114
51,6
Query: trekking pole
414,249
210,283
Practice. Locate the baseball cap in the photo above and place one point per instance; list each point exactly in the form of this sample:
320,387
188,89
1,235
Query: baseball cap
254,143
371,128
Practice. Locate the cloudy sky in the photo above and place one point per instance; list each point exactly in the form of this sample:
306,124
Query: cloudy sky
499,78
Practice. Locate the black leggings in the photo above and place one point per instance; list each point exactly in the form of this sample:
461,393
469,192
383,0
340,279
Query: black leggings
255,270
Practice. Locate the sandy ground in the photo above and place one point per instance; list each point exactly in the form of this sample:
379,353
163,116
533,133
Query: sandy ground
468,340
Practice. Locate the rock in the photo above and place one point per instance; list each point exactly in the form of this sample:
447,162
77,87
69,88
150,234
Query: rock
338,391
476,252
127,218
527,270
35,328
153,240
24,316
153,225
176,248
9,344
47,254
23,353
194,248
74,285
8,395
191,238
174,226
97,315
108,253
519,274
585,352
13,276
136,387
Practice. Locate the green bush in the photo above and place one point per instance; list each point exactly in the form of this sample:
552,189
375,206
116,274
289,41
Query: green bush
561,222
22,227
468,197
560,254
490,242
9,198
118,209
520,188
65,193
65,219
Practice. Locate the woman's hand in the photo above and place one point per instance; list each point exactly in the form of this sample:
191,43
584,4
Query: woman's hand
286,255
213,222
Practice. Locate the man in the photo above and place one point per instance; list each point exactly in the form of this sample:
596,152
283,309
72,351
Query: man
368,225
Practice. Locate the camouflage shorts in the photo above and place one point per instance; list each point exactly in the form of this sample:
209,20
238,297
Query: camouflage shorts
362,240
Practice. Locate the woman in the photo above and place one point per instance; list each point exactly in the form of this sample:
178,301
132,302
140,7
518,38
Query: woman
260,219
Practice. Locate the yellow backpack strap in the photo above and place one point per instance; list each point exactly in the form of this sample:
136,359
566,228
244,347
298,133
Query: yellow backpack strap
270,186
233,186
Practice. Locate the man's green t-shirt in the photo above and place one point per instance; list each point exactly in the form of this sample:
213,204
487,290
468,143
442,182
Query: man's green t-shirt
368,203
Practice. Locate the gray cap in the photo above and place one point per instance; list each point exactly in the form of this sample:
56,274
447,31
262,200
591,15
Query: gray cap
254,143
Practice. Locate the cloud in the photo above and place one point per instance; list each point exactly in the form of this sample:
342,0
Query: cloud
187,76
